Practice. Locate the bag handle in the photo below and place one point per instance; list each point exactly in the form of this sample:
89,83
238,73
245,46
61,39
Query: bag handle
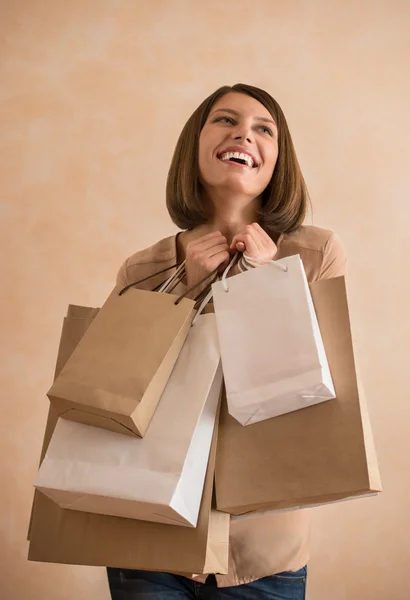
246,261
174,280
189,290
206,299
170,284
127,287
254,262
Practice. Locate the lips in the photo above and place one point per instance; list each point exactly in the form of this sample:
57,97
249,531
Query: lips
238,155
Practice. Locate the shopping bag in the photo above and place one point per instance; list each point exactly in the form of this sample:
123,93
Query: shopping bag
117,373
313,456
272,352
75,324
156,478
59,535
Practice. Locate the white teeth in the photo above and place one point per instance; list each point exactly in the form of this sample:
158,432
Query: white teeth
228,155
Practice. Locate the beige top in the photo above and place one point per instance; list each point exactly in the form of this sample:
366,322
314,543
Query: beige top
270,543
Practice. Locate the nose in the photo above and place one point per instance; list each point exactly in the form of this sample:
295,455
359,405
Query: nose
243,132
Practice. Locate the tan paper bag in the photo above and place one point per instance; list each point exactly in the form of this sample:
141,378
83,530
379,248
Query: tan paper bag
312,456
159,477
116,375
65,536
75,324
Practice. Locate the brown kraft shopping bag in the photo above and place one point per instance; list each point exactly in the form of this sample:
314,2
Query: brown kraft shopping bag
316,455
75,324
117,373
64,536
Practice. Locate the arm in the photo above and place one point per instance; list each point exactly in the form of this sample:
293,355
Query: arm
122,278
334,259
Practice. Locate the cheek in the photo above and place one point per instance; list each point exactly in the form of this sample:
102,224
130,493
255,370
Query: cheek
271,157
207,162
201,156
204,149
204,160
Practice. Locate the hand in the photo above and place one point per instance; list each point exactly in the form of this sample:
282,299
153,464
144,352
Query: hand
204,255
255,242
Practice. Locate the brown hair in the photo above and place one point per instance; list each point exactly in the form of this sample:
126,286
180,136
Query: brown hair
284,200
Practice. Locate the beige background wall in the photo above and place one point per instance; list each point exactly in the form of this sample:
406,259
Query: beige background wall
93,95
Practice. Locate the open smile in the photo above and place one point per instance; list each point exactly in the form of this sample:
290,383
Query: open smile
242,159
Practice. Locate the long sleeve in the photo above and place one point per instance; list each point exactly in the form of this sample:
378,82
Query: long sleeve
334,259
122,275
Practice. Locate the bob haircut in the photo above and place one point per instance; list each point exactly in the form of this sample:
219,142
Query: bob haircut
284,200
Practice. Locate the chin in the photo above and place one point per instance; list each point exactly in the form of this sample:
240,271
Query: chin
233,184
239,186
242,190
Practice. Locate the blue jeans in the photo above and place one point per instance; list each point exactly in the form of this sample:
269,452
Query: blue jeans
148,585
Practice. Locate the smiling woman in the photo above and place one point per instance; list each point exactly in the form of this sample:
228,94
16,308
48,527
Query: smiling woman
235,185
240,116
231,131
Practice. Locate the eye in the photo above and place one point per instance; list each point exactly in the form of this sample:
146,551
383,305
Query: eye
225,120
266,129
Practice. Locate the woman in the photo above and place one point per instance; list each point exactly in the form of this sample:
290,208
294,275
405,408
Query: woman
235,185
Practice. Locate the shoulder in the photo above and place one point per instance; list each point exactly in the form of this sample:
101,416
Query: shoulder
148,261
321,251
308,237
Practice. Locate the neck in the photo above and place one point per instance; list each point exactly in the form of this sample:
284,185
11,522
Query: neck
231,214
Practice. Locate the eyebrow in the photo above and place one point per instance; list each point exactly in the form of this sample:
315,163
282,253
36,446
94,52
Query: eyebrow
237,114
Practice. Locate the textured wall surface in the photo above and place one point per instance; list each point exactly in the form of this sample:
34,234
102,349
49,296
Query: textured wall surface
93,95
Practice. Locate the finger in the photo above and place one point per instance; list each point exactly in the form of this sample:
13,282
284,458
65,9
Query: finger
255,239
250,240
263,235
258,239
216,250
212,239
252,248
238,243
218,260
205,243
234,242
203,258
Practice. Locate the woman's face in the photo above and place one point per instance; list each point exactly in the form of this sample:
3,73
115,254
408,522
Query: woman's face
238,146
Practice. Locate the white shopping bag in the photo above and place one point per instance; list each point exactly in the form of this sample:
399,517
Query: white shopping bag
272,352
156,478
